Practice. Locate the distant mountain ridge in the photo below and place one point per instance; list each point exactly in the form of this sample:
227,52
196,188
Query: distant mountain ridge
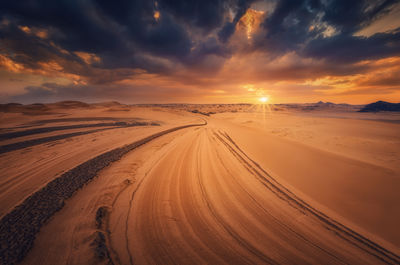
381,106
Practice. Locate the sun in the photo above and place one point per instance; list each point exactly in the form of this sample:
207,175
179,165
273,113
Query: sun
263,99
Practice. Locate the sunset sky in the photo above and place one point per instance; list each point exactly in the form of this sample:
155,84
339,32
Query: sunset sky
200,51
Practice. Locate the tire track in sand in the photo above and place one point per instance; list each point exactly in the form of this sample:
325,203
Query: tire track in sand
180,217
277,220
282,192
241,241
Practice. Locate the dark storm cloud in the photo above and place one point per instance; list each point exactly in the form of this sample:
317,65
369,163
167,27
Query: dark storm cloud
287,28
204,50
349,49
26,49
100,26
77,28
350,16
204,14
116,30
325,30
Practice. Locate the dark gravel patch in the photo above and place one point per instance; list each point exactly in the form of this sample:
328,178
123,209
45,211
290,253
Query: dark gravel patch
101,215
100,248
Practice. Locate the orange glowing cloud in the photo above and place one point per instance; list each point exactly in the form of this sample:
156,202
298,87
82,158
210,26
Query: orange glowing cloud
88,58
157,15
41,33
9,65
250,22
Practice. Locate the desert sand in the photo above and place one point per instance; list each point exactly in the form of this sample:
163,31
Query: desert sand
198,184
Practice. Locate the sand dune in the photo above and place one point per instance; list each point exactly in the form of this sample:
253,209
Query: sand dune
229,191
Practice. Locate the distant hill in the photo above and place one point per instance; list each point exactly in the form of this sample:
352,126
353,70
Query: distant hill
42,109
10,107
321,106
69,104
33,109
108,104
381,106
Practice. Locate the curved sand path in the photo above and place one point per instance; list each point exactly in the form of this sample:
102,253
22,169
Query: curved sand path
193,197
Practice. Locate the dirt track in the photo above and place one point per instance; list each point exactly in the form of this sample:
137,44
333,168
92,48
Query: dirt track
194,197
